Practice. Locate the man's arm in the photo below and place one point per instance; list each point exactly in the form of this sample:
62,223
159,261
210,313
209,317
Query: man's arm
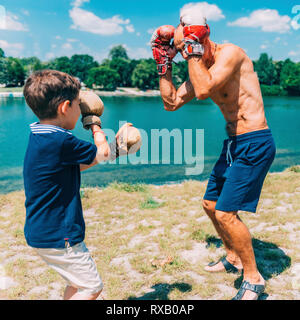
175,98
207,81
164,51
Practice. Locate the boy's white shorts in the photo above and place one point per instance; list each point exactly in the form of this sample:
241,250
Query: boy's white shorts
75,265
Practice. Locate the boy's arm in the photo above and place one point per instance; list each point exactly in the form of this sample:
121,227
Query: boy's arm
128,140
103,150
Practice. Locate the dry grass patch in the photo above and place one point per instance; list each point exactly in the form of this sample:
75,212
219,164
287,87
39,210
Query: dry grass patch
128,226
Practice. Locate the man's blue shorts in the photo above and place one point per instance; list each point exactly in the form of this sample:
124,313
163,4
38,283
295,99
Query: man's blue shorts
238,176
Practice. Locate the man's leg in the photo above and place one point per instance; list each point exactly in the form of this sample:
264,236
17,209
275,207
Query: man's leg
232,257
240,240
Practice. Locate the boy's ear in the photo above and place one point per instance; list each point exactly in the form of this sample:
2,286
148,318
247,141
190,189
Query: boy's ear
63,107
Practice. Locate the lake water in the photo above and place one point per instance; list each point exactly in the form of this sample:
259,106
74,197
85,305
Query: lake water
283,115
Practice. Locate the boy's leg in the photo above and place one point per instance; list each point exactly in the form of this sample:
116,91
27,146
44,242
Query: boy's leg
69,292
77,267
80,295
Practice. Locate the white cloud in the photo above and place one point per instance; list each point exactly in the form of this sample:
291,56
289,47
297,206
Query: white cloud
78,3
277,39
138,53
72,40
11,49
267,19
211,11
49,55
25,12
130,28
263,46
58,37
67,46
294,53
87,21
12,23
150,31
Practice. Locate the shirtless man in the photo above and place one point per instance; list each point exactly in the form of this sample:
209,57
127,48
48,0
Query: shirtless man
225,74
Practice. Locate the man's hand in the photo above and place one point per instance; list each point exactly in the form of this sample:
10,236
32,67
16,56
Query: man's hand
162,48
195,32
194,37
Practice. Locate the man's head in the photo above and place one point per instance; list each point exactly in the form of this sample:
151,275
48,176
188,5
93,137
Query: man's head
49,93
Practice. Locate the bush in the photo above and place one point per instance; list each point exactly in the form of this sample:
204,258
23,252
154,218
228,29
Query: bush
103,76
274,90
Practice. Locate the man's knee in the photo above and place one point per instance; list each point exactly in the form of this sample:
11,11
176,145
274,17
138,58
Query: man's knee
225,218
209,207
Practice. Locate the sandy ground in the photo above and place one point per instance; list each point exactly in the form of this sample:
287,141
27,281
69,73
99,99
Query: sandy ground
278,261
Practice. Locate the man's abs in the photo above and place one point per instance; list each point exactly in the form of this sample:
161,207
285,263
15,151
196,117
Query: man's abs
244,119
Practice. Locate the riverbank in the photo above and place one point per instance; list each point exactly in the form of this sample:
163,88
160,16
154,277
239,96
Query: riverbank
151,242
120,92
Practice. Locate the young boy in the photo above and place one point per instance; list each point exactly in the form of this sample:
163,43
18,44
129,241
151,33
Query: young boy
54,223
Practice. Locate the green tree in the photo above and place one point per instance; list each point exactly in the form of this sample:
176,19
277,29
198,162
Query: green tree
265,69
32,64
62,64
278,67
180,73
104,77
118,52
2,55
123,68
81,64
3,71
15,72
290,77
144,75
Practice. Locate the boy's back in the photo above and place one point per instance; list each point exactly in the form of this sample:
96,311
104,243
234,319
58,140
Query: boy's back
52,186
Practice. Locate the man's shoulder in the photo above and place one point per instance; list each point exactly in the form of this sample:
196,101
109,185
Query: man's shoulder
230,48
230,53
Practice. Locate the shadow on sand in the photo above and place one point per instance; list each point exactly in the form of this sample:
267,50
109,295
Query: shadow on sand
162,290
270,260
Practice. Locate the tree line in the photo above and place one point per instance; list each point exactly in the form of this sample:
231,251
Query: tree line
118,70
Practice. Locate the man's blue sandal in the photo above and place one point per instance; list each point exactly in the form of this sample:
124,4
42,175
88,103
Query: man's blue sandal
230,268
256,288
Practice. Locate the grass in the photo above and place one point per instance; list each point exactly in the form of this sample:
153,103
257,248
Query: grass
150,203
14,89
129,187
129,225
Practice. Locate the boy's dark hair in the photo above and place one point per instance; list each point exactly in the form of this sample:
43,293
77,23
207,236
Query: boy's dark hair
44,90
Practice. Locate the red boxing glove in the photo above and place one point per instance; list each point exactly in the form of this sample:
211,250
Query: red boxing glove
162,48
194,37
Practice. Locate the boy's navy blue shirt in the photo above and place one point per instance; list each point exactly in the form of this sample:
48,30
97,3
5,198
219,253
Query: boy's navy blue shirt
52,186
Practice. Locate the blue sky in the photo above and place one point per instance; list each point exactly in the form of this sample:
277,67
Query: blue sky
49,29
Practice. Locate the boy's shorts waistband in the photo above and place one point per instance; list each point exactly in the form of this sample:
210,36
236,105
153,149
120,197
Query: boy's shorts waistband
250,136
